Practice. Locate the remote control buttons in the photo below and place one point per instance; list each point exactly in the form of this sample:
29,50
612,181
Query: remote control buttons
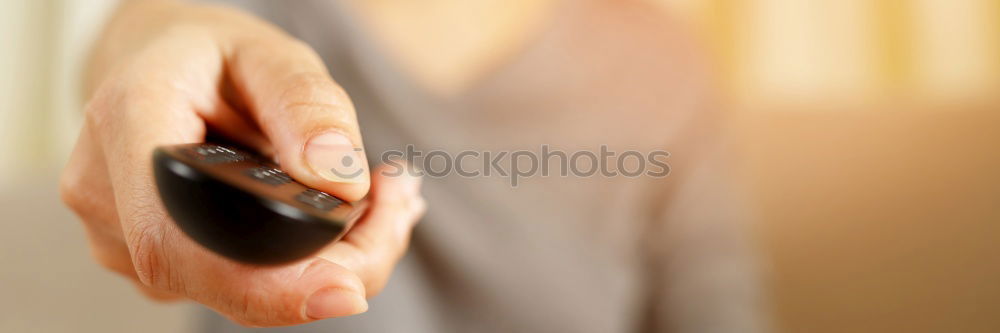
318,200
269,175
215,154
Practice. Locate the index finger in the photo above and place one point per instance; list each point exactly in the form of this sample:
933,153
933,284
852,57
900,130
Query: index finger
307,116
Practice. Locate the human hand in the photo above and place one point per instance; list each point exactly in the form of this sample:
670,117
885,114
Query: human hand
165,73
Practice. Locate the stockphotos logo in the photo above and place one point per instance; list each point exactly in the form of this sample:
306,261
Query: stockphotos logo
519,164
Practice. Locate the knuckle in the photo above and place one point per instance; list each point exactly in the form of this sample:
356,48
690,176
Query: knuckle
363,241
417,206
81,200
377,270
146,233
110,105
145,241
97,112
259,308
242,309
411,208
375,283
311,86
135,89
308,90
68,185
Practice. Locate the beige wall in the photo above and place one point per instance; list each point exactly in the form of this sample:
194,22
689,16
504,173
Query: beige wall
868,135
48,282
39,107
879,220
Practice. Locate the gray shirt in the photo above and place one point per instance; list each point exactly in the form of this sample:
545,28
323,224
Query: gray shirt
552,254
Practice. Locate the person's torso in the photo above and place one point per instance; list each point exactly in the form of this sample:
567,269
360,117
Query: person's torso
556,253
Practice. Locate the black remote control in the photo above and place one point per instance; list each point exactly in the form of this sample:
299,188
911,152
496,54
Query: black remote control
241,206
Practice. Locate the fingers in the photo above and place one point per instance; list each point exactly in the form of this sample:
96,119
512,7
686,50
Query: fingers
233,125
167,262
309,119
258,295
334,284
374,245
110,170
112,254
311,125
249,295
83,186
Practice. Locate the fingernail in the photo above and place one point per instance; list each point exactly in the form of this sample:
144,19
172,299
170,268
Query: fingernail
334,157
335,302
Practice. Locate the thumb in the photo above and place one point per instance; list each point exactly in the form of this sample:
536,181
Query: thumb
303,112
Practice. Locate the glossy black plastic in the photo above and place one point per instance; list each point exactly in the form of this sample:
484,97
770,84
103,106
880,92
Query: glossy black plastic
226,204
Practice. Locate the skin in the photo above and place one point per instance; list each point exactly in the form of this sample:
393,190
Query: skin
165,73
422,39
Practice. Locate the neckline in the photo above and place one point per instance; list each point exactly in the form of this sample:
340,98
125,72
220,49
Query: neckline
374,58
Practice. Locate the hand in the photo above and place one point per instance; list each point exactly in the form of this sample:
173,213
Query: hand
164,73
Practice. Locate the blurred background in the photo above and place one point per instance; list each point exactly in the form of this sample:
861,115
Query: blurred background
868,131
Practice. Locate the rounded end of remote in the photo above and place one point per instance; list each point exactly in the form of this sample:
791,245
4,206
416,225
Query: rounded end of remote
241,206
